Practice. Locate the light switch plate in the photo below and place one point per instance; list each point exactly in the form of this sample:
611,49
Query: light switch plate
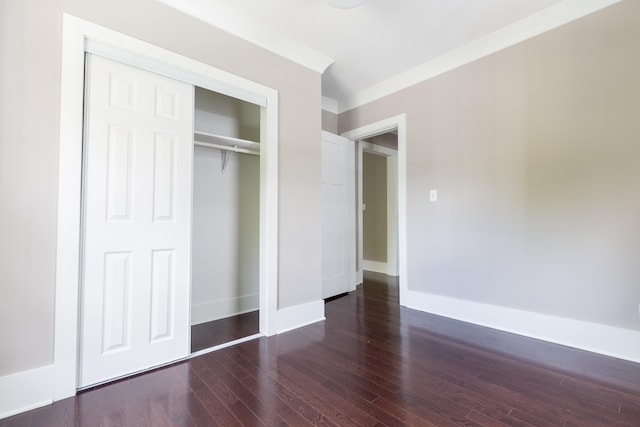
433,195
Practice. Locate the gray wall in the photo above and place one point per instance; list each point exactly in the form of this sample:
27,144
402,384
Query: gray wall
374,217
535,151
30,31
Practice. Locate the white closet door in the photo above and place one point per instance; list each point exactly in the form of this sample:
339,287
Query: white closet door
338,215
136,270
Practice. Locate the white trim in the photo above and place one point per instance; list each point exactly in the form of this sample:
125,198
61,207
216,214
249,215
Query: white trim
602,339
207,311
330,105
176,73
331,137
359,214
379,150
392,214
224,345
65,353
398,123
226,18
75,32
531,26
269,198
377,128
25,390
375,266
300,315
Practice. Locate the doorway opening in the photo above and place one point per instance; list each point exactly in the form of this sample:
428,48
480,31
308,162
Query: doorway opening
378,195
390,140
225,303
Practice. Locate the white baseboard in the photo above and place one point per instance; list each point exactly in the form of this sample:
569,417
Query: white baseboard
219,309
26,390
300,315
375,266
597,338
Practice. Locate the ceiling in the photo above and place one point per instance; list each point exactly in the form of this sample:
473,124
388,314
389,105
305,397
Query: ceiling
359,48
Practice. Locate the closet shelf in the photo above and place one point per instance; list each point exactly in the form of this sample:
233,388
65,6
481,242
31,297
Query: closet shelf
228,143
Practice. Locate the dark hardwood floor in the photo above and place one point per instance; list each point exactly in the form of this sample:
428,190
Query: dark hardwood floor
371,363
210,334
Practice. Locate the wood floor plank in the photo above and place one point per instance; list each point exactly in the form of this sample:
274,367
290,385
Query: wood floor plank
344,412
370,363
355,398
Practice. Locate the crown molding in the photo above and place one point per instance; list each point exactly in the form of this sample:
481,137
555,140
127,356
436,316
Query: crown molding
330,105
531,26
233,22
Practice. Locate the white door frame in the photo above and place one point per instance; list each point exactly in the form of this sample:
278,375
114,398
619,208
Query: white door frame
398,123
391,266
76,34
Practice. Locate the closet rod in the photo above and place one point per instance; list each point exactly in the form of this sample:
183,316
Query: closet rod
226,147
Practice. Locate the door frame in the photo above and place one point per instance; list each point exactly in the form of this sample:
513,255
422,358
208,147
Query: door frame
399,124
77,34
391,155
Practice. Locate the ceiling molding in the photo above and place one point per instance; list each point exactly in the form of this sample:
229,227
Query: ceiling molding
330,105
538,23
231,21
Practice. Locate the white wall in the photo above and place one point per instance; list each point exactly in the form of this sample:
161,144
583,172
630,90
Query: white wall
225,235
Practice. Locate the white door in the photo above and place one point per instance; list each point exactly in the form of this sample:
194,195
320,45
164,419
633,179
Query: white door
137,213
338,215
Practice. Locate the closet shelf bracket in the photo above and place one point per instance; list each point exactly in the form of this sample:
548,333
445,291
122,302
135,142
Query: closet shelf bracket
225,157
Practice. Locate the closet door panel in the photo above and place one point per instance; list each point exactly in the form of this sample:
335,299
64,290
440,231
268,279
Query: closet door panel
162,289
118,177
117,302
137,213
163,174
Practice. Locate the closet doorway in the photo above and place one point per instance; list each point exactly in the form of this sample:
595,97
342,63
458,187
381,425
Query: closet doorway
226,222
173,208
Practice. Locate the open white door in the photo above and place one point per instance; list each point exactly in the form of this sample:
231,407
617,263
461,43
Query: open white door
137,213
338,215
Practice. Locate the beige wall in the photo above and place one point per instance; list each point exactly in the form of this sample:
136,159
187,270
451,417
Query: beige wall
29,64
374,217
535,151
329,121
30,85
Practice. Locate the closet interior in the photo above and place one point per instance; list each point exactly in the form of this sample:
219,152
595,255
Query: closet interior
226,214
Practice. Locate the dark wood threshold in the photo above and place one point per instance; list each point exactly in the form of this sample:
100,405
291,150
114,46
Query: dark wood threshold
211,334
335,297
